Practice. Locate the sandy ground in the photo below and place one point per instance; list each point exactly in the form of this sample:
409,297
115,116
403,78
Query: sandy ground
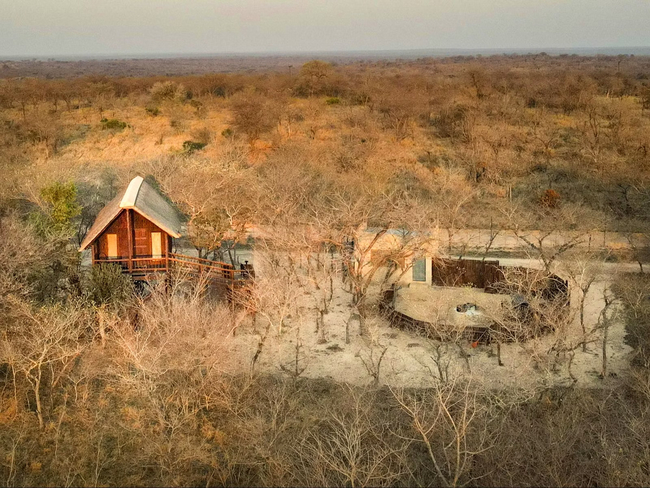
413,361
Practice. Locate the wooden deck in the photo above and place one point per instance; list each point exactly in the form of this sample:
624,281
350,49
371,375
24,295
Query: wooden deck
150,268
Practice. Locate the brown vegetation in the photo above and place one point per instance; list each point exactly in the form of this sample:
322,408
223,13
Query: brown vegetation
100,386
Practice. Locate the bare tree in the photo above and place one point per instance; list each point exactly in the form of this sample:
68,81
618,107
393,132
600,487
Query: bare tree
353,449
605,319
41,345
449,421
169,362
639,246
544,250
494,233
254,114
314,76
583,271
372,361
367,248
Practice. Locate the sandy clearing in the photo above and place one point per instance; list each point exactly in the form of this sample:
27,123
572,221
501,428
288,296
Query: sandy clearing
412,361
408,360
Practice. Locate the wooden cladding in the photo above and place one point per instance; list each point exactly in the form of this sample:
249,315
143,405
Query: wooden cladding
146,239
141,242
461,272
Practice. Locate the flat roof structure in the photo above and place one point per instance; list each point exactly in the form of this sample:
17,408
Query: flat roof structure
439,305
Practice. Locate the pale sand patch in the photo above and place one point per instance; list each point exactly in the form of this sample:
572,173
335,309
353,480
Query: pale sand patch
410,361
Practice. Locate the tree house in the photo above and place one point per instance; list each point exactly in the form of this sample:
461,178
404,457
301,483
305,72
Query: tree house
136,229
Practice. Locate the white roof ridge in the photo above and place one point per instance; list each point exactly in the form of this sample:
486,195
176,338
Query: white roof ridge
131,193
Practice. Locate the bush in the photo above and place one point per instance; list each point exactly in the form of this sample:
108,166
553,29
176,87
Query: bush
253,114
202,135
113,124
198,106
633,290
59,210
108,285
550,199
227,133
333,101
168,91
153,111
192,146
453,122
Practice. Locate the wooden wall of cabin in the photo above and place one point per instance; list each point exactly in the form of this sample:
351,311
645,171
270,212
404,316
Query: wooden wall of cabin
142,229
119,228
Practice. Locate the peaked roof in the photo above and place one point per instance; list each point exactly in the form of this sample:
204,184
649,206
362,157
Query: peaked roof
144,199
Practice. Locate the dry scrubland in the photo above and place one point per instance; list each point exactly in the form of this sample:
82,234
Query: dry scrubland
98,387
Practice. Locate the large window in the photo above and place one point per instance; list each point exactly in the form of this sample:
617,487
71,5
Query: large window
420,269
156,244
111,240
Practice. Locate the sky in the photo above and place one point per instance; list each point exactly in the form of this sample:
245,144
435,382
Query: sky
125,27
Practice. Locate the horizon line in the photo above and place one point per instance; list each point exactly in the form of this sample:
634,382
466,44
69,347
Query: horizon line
612,50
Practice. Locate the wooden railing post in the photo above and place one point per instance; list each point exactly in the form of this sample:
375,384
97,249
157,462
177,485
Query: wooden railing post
130,239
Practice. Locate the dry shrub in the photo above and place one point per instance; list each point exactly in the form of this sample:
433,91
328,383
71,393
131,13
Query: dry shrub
202,135
41,344
175,329
254,114
20,256
167,91
353,446
634,293
550,199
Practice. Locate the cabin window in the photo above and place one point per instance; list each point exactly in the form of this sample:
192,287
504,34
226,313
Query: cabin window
420,269
111,240
156,244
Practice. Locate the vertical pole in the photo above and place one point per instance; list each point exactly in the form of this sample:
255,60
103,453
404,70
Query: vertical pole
232,308
168,277
129,231
168,283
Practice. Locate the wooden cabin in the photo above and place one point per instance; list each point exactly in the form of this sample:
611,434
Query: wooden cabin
135,230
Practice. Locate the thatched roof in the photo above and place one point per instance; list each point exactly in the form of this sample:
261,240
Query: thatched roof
144,199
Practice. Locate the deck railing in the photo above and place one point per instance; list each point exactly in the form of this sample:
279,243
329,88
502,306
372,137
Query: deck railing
213,270
137,265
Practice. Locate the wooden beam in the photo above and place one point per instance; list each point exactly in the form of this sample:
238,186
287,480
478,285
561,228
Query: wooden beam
168,251
130,236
